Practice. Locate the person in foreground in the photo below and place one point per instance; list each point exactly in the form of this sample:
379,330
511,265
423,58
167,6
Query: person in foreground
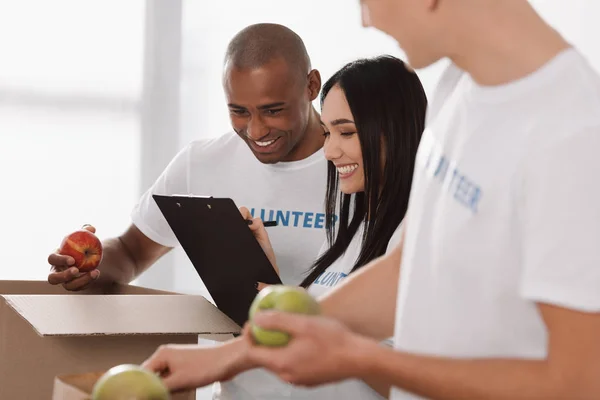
373,114
497,274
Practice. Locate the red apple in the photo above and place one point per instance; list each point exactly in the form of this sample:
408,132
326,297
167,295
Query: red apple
84,247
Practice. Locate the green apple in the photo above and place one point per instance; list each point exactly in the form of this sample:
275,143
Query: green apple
291,299
129,382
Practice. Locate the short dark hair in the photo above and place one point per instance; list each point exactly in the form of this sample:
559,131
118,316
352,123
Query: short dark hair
388,104
256,45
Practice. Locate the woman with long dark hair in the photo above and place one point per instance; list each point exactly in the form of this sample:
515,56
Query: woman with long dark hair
373,115
373,112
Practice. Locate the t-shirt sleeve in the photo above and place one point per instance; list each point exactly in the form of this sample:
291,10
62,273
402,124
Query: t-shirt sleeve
146,215
395,238
560,223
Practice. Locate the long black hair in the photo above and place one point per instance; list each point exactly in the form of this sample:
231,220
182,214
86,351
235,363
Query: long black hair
388,104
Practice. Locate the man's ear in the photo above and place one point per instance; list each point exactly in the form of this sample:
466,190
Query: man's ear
314,84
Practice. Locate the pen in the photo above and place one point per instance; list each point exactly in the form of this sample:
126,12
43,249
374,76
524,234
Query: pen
265,223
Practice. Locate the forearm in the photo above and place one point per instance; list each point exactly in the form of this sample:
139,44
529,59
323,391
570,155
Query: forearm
381,386
490,379
128,256
117,263
366,301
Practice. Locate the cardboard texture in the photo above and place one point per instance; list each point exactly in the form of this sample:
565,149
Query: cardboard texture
80,386
47,332
75,387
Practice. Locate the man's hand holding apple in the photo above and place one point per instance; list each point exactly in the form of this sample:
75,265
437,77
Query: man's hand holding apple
74,264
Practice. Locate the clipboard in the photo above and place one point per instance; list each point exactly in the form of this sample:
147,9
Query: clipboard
222,249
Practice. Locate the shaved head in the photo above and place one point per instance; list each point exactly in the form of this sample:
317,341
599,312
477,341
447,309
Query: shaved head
270,86
257,45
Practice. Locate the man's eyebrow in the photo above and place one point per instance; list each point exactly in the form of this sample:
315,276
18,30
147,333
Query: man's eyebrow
271,105
263,107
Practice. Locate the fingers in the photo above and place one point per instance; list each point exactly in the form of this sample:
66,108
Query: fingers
60,262
246,329
82,282
258,230
159,360
268,357
89,227
156,363
174,383
63,276
261,285
245,213
255,224
66,273
293,324
164,362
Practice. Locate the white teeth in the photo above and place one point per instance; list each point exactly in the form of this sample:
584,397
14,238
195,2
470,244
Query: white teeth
346,169
264,144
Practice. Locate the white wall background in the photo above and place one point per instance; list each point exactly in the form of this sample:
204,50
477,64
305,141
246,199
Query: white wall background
97,96
70,82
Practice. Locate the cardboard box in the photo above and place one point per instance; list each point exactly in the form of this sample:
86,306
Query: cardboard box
80,386
46,331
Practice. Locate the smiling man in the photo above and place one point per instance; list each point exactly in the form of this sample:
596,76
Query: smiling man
277,169
266,94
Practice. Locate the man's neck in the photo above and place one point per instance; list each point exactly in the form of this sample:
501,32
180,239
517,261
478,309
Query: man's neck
312,141
507,42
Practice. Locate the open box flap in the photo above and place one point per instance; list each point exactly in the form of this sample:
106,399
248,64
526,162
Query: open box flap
76,315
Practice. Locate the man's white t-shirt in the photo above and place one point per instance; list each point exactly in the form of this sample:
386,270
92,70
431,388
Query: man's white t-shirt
260,384
504,212
292,193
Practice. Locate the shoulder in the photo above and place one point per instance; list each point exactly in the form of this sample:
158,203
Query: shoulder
395,239
207,151
445,89
569,106
577,90
215,145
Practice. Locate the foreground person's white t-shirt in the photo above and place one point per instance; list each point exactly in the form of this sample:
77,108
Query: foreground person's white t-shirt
261,384
504,212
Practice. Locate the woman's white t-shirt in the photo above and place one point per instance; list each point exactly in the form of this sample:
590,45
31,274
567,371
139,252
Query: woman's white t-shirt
261,384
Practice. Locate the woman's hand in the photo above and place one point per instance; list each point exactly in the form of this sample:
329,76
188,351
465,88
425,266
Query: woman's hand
261,235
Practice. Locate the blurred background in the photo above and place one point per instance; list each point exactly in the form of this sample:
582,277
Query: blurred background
97,96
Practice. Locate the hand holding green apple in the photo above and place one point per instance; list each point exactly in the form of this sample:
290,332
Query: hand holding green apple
284,298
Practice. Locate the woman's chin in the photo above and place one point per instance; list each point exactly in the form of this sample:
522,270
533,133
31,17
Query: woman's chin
351,189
